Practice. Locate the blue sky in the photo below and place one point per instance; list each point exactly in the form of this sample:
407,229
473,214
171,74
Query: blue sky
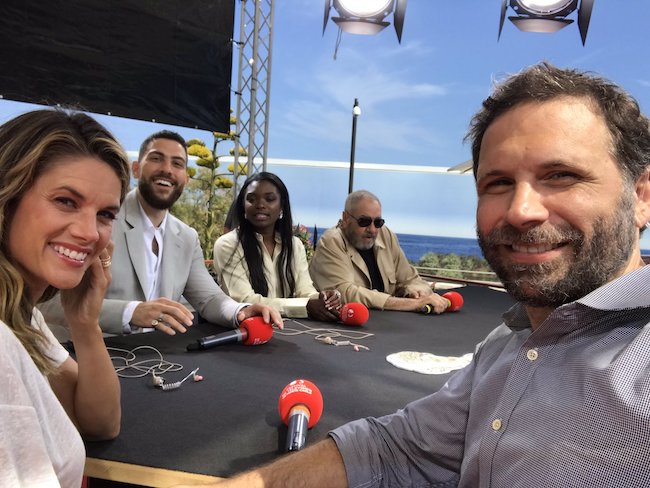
416,99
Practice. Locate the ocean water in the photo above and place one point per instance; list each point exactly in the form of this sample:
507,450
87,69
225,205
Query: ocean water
416,246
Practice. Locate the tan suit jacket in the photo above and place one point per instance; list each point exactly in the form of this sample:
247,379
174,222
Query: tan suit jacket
337,264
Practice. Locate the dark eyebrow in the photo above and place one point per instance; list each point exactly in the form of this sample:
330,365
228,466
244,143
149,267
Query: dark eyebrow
113,208
155,152
494,172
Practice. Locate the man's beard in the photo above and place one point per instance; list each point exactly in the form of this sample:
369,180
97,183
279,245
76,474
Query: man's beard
565,279
357,241
146,188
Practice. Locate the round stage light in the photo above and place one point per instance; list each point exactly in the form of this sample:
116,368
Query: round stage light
547,7
365,8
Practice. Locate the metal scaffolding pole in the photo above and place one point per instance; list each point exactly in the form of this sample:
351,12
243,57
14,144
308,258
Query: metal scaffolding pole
253,87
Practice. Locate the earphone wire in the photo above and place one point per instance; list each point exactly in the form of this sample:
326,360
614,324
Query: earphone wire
327,335
127,365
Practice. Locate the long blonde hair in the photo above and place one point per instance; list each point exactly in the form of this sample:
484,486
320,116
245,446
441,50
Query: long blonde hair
29,143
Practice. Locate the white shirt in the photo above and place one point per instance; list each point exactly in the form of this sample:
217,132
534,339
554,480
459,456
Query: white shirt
153,268
39,444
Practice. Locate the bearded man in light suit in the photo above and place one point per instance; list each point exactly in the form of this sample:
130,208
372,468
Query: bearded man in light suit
158,259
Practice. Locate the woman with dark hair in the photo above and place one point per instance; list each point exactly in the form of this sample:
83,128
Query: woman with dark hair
62,179
261,261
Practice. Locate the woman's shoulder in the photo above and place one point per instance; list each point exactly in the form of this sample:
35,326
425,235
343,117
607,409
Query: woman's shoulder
13,356
228,236
8,339
228,240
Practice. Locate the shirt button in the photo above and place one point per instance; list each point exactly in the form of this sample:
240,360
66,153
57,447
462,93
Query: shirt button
531,354
496,424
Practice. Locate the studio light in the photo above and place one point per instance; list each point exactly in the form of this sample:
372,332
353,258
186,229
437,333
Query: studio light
547,15
367,17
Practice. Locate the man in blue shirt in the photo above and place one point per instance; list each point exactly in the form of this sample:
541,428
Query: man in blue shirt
557,395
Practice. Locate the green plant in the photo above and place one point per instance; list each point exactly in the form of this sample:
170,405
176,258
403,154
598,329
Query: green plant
206,199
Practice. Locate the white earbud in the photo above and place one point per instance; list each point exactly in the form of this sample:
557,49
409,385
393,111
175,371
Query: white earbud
157,380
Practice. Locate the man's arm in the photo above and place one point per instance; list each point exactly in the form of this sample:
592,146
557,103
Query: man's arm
203,293
405,304
320,465
407,277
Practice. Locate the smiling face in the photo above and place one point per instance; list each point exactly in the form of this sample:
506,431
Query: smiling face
555,218
262,206
162,173
63,222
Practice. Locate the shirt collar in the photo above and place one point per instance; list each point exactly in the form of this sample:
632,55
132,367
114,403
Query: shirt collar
630,291
149,227
260,238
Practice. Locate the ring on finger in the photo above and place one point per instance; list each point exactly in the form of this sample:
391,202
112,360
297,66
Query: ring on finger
106,263
157,321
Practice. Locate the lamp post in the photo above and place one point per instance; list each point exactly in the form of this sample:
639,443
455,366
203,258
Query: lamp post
356,111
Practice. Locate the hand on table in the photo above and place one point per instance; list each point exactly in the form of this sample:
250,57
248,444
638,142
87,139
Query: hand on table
326,307
438,303
162,314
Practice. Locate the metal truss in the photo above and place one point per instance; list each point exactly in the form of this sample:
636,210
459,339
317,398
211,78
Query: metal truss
253,86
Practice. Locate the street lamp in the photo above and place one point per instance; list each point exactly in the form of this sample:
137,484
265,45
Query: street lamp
356,111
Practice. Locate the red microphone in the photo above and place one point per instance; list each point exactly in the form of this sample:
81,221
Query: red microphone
454,302
300,406
252,332
354,313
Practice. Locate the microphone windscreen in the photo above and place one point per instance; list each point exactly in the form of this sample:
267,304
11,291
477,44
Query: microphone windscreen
257,331
354,313
455,300
301,392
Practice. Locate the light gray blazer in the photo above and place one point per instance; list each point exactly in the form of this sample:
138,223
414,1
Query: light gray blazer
183,272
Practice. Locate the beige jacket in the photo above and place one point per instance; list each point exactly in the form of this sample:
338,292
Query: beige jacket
232,272
337,264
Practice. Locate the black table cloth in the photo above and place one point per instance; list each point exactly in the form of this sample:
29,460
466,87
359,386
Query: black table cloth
229,422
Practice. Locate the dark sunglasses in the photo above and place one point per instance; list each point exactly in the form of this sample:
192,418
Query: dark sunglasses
366,221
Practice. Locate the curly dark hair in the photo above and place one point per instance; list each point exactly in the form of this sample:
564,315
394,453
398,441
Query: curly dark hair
629,128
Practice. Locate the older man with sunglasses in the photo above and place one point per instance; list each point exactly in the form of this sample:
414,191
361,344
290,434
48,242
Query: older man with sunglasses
362,259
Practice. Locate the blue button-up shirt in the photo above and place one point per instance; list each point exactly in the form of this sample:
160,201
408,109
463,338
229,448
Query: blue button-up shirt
567,405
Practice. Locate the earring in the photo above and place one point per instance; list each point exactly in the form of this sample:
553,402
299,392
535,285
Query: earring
281,215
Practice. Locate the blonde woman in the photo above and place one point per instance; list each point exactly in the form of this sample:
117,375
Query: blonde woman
62,179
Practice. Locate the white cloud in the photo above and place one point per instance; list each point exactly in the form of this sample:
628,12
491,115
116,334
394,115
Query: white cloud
323,94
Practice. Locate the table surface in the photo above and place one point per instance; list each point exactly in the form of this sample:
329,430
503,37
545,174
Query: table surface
229,422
